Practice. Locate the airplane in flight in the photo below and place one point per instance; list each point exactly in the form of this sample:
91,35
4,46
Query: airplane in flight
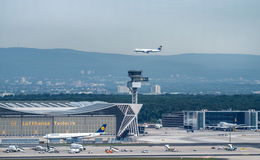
148,50
74,137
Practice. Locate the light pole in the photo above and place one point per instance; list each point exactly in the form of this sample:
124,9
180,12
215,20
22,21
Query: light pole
230,130
229,134
48,147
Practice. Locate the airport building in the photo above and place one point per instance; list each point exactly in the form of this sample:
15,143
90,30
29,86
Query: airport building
174,119
28,118
209,119
156,89
123,90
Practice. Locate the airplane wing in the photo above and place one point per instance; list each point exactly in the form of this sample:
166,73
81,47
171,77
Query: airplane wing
148,51
77,136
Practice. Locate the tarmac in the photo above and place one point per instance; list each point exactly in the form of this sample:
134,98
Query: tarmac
197,144
180,136
137,151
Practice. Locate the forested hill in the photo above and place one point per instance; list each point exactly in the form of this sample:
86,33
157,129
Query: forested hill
192,73
66,63
155,105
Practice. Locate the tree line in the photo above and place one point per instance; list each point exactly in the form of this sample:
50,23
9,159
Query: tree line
156,105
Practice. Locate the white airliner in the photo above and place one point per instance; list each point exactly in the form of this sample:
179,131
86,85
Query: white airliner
229,147
225,125
76,136
149,50
168,148
229,126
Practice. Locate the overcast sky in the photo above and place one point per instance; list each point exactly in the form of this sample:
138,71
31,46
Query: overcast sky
119,26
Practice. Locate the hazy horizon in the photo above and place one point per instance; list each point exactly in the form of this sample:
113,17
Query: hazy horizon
112,26
132,54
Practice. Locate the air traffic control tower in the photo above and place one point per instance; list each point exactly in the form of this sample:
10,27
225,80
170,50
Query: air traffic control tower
135,83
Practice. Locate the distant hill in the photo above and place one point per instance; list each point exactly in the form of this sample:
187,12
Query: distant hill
66,63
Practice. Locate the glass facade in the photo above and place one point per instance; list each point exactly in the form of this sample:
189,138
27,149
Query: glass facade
213,118
172,120
203,119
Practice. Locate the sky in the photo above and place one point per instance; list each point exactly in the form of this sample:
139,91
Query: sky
119,26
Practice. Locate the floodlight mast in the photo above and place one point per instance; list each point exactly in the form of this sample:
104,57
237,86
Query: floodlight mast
135,83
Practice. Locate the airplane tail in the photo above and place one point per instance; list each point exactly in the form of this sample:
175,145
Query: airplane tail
167,146
102,129
160,48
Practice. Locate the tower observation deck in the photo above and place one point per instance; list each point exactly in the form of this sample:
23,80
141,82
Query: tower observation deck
135,83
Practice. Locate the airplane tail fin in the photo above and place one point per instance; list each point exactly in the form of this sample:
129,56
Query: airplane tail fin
160,48
102,129
167,146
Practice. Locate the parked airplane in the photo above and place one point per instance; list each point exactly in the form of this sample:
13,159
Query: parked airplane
229,126
74,137
14,148
149,50
225,125
229,147
170,149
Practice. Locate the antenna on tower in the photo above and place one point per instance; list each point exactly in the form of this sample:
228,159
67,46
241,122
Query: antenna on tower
135,83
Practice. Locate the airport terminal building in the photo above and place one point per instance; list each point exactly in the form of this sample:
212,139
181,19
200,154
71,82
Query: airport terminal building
28,118
205,119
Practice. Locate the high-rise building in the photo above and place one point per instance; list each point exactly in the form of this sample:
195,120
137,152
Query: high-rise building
123,90
156,89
